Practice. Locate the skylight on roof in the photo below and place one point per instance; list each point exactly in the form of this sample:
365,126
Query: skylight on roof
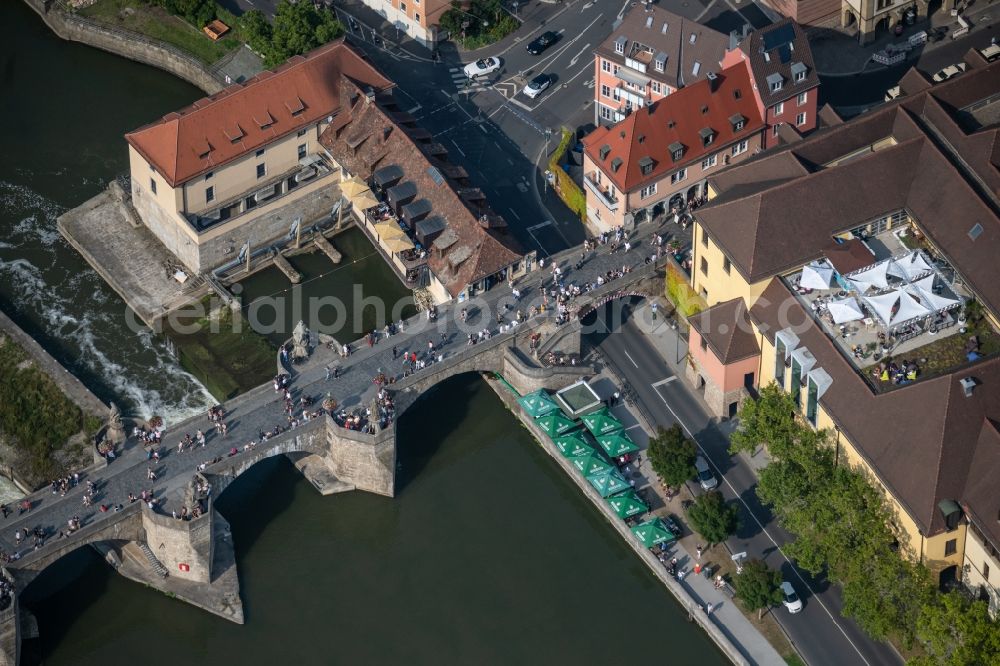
649,21
975,231
694,37
435,175
696,68
663,30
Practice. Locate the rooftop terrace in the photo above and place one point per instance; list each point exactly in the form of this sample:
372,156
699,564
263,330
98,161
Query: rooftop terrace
901,318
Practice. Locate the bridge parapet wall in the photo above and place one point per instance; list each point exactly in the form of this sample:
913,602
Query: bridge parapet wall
125,525
526,378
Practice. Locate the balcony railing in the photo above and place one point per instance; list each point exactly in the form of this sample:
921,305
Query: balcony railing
602,193
264,193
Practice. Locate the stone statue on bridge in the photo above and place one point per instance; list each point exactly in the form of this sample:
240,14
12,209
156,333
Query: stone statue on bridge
301,338
375,416
115,432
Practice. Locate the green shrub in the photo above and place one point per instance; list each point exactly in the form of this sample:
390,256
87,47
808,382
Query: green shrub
679,291
566,187
34,412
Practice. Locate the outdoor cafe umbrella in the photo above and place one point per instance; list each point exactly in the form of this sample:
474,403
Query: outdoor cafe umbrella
591,464
397,244
653,532
816,276
572,445
538,404
617,444
555,424
602,423
845,310
365,200
609,482
353,186
627,504
386,230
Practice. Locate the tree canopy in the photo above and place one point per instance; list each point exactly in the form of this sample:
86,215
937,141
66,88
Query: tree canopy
845,528
767,421
712,517
758,586
672,455
957,632
298,27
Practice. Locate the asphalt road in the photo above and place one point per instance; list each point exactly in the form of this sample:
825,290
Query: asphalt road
819,632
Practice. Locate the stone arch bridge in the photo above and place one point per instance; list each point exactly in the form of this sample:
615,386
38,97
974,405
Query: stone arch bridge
193,559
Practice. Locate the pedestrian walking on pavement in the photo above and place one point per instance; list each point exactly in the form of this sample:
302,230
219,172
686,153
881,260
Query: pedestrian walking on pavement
395,353
329,371
698,553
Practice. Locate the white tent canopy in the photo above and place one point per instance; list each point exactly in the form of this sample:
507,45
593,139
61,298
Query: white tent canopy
910,266
923,290
845,310
817,275
906,306
875,276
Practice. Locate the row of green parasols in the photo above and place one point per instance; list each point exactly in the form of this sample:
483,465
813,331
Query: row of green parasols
610,434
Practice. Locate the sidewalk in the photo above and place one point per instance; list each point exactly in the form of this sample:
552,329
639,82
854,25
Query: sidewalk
836,52
701,590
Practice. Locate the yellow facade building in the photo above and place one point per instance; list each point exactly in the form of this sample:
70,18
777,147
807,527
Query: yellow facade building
857,270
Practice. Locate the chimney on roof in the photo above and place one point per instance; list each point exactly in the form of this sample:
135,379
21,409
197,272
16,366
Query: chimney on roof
734,39
369,96
968,383
746,30
713,81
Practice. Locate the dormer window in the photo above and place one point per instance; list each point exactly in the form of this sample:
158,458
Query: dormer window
233,132
676,151
295,105
620,45
605,149
263,120
616,164
799,71
738,122
646,166
660,62
775,81
707,135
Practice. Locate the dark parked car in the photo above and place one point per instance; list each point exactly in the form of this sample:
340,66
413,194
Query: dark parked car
542,42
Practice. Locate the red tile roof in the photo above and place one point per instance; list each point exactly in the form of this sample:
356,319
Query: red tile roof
678,118
370,138
244,117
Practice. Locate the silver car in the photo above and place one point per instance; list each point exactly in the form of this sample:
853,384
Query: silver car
705,476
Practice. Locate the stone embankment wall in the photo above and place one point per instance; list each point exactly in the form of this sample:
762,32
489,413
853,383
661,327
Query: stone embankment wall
127,44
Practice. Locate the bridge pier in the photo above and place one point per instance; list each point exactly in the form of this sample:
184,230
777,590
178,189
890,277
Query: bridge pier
191,560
